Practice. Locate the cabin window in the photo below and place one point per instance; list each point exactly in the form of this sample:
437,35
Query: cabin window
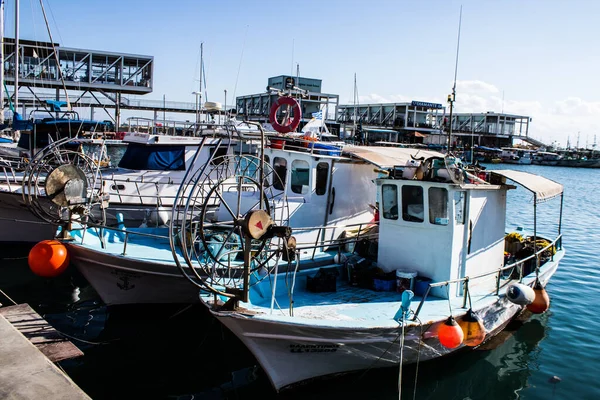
322,175
300,177
389,195
155,158
438,206
412,203
280,167
459,207
217,153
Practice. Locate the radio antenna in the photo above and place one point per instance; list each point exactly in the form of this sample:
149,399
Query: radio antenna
452,97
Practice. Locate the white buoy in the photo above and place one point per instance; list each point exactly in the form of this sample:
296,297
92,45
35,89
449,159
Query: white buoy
159,216
520,294
339,258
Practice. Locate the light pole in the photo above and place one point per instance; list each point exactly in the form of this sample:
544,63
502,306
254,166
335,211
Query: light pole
198,97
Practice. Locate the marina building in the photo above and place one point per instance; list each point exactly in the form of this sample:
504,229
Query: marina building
488,129
428,123
308,91
386,121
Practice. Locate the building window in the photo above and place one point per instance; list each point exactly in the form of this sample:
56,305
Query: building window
389,195
438,206
412,203
300,177
280,167
322,175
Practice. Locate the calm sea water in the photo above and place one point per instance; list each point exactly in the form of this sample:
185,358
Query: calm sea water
166,353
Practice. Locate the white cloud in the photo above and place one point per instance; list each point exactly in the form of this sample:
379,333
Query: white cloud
577,106
375,98
475,87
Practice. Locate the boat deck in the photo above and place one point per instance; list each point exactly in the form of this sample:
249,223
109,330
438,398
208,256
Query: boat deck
350,306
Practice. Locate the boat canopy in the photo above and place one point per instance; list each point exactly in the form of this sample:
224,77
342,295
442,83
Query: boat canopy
388,157
543,188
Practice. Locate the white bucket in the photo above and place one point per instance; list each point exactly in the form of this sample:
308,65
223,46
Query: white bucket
405,280
410,169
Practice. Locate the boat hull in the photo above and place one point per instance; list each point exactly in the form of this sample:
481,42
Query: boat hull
292,352
19,224
123,280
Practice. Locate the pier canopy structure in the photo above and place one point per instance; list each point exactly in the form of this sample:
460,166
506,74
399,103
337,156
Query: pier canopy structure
413,121
489,129
103,75
256,107
87,70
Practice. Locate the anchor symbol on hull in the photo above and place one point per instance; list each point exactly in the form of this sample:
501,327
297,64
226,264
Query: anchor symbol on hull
126,283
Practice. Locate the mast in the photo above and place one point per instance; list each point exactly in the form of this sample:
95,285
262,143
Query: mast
2,63
452,97
16,56
354,98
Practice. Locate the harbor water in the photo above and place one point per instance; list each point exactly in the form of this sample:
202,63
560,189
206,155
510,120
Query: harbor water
180,352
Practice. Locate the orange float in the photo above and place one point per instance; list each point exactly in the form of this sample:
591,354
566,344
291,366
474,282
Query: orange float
48,258
450,333
291,124
541,302
473,329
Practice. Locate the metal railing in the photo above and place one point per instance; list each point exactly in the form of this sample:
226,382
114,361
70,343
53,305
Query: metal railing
557,243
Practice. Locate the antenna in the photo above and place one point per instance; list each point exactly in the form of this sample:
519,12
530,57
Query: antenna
237,77
452,97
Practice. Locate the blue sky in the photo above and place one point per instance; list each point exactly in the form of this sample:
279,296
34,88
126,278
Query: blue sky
541,56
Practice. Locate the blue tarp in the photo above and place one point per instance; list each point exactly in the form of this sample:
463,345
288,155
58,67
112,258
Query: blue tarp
154,158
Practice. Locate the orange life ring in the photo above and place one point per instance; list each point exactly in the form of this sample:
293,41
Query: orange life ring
292,124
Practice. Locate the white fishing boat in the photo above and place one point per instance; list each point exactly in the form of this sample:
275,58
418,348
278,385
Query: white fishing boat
440,259
141,187
325,197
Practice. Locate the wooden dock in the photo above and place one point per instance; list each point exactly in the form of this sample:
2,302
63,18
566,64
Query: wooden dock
29,346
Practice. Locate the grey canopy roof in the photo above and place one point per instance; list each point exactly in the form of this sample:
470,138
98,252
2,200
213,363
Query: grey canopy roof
387,157
543,188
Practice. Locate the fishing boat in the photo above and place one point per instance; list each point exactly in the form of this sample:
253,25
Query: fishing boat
546,158
442,279
325,193
141,187
327,198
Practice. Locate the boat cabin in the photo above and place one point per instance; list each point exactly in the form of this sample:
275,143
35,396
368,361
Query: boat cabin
442,231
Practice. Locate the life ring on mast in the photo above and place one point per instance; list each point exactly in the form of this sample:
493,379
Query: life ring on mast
291,124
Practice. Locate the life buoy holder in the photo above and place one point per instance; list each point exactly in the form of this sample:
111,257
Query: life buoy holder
292,123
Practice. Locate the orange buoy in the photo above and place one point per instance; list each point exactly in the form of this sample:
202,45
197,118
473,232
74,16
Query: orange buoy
48,258
450,333
541,301
473,329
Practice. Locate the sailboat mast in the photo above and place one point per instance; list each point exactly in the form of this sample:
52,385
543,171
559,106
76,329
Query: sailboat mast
354,98
452,97
2,63
16,90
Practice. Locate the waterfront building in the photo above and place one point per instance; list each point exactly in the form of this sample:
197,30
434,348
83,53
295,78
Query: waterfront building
308,91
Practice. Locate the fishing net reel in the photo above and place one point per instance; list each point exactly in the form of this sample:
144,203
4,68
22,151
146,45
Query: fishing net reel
63,185
232,227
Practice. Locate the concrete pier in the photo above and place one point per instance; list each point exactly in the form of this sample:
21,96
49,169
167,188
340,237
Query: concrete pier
25,372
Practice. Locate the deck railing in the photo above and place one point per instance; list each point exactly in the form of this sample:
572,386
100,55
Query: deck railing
557,243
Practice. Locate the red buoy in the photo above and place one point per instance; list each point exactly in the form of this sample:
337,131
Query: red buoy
542,300
450,333
48,258
473,329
